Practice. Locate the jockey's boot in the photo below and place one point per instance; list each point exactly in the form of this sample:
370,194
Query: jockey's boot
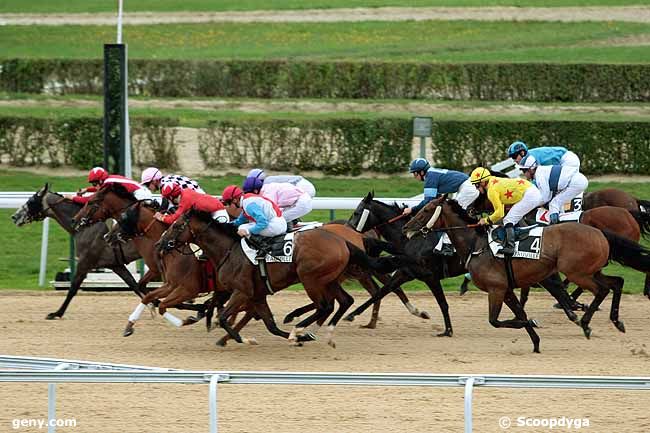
263,245
509,241
290,226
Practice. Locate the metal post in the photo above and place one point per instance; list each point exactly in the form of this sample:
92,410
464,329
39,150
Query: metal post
468,404
44,238
72,261
119,22
51,401
212,399
332,214
423,147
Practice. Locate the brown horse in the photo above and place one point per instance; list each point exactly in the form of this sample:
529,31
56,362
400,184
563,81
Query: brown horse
320,259
185,277
614,197
577,250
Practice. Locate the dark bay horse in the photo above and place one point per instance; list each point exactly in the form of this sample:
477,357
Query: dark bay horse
185,277
320,259
425,265
90,247
614,197
577,250
372,246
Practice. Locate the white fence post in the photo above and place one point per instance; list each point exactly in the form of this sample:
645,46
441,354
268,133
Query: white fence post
44,238
51,401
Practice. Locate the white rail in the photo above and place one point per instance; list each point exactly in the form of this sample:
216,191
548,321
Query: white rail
213,378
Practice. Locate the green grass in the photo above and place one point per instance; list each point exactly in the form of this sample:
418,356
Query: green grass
20,264
423,41
89,6
197,118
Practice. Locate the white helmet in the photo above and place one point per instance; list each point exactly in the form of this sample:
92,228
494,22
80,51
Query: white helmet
527,162
150,174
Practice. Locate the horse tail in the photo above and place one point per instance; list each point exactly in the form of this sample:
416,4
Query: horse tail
644,206
627,252
374,247
643,219
382,265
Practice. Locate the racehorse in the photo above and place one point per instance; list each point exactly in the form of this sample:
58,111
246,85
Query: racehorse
185,277
614,197
319,260
92,250
372,246
577,250
425,265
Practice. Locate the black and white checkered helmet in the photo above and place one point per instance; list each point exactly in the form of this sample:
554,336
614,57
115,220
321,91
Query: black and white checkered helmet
183,181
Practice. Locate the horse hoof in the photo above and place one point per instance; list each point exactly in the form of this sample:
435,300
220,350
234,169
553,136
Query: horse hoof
533,323
587,332
52,316
221,342
620,326
190,321
127,332
447,333
332,344
287,319
349,318
425,315
370,325
463,289
251,341
557,306
536,350
306,337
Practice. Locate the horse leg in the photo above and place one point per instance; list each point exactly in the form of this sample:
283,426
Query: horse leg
496,299
369,284
323,309
127,277
146,278
646,286
150,297
518,309
238,327
523,296
597,286
396,280
464,286
298,312
263,310
72,291
555,287
345,301
236,301
616,285
405,300
439,294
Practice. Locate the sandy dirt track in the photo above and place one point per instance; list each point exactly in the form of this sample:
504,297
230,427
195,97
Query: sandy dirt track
565,14
402,343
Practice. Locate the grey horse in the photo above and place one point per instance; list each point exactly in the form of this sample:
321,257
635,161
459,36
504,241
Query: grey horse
92,249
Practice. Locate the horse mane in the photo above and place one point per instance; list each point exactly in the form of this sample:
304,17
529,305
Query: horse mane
206,217
118,190
461,212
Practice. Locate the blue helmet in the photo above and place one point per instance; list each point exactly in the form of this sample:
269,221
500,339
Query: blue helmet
257,172
252,183
517,147
419,164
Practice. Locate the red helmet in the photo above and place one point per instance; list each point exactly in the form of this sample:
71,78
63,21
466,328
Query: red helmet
170,190
97,174
230,193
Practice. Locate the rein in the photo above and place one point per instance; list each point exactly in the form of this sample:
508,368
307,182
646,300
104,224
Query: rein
390,221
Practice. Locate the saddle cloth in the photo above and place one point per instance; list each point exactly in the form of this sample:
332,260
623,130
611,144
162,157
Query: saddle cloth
281,246
542,216
528,244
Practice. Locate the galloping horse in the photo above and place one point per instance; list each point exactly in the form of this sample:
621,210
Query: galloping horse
92,250
577,250
614,197
319,261
185,277
425,265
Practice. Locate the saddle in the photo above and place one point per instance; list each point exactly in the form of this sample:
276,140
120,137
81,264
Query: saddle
264,245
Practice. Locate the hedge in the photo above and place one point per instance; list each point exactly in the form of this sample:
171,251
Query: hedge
352,146
333,146
78,142
284,79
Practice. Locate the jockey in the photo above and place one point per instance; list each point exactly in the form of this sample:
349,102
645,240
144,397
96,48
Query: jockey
292,201
99,177
441,181
544,155
504,191
153,179
263,215
295,180
187,199
557,184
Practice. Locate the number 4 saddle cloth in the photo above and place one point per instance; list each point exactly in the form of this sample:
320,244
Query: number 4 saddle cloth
281,247
528,241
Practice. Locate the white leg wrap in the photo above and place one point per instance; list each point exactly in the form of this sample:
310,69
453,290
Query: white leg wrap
173,319
137,312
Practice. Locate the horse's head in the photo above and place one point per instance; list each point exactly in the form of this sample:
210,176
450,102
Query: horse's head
178,234
35,209
368,214
109,201
426,219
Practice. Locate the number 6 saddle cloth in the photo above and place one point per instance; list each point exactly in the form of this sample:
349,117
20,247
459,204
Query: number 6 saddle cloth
281,246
